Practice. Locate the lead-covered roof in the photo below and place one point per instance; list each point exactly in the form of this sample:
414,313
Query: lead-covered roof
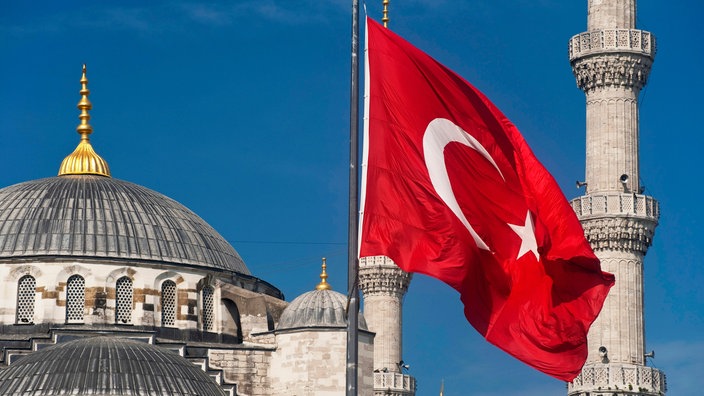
99,217
105,366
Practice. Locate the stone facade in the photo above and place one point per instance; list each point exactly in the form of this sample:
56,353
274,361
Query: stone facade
99,299
249,368
242,345
307,362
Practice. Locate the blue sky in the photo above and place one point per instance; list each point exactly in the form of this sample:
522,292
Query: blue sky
240,111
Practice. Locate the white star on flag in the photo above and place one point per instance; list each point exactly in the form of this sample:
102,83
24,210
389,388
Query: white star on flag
527,234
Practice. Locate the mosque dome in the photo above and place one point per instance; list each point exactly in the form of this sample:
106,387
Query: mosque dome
105,366
85,213
95,216
322,307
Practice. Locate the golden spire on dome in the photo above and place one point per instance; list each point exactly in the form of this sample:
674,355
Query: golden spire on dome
324,285
385,18
84,160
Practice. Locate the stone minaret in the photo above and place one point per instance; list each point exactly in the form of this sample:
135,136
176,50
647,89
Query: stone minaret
611,62
383,286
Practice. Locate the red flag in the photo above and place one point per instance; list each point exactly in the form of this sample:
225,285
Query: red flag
452,190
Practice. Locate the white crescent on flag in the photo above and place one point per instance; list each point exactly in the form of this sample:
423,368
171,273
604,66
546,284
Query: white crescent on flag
439,133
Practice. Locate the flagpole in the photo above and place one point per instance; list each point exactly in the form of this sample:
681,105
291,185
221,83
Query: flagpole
352,241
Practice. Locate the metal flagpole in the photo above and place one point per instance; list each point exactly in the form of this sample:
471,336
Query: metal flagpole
352,241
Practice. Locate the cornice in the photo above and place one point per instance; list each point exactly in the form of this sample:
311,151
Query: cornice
379,275
619,233
597,71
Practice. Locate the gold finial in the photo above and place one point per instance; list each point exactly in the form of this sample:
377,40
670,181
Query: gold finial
324,285
84,129
385,18
84,160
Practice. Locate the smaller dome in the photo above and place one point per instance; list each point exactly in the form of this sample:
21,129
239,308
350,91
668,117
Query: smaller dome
317,308
104,366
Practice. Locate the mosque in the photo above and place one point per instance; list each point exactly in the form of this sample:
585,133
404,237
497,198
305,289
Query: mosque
111,288
108,287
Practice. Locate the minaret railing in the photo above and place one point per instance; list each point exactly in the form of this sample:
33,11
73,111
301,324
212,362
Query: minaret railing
599,204
617,377
394,383
618,40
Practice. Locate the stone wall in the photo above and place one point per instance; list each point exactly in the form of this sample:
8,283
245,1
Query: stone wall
246,367
312,361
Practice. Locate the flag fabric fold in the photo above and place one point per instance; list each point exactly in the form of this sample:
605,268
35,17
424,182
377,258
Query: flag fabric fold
451,189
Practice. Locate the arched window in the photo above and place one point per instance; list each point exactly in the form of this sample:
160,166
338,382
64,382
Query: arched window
26,288
75,299
231,325
208,311
123,303
168,303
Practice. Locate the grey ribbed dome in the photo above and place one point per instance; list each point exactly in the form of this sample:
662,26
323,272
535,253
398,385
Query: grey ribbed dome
104,366
317,308
96,216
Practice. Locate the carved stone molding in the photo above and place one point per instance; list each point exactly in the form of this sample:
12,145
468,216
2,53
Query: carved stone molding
597,71
620,233
619,101
379,275
18,272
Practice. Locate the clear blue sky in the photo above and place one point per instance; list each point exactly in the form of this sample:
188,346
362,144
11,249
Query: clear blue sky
240,110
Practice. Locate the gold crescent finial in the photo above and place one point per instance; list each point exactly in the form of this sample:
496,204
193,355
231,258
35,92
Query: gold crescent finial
324,285
84,160
385,18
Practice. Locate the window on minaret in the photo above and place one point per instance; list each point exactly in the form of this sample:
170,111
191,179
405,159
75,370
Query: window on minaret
123,303
75,299
26,288
168,303
208,320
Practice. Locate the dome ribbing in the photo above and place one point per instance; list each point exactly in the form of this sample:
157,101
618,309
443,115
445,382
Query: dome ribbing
105,366
100,217
317,308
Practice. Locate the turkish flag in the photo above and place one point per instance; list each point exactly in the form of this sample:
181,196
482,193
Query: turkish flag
452,190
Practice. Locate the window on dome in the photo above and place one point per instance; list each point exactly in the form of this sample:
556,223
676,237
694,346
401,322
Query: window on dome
168,303
123,304
208,321
26,289
75,299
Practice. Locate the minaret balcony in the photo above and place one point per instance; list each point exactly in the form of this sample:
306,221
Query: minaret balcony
394,384
612,40
614,204
618,379
618,221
